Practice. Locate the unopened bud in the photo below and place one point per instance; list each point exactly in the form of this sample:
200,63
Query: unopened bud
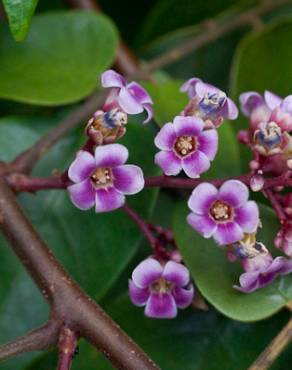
257,182
254,165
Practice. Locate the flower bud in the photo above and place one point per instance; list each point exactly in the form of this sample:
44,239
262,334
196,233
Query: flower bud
257,182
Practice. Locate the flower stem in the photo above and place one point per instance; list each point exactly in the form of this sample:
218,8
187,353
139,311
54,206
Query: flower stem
274,349
67,346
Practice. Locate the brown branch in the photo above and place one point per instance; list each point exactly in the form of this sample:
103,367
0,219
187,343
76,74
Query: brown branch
67,346
68,302
274,349
37,340
212,33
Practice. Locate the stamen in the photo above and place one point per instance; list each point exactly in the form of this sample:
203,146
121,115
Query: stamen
101,177
185,145
161,286
221,212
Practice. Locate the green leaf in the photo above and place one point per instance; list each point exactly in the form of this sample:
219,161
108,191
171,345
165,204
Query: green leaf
193,341
19,14
61,59
168,101
266,56
215,275
93,248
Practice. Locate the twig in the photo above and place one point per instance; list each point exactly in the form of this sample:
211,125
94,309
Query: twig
67,346
25,161
69,304
274,349
143,226
211,34
37,340
276,205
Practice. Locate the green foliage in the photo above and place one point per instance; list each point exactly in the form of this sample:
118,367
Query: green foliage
60,60
215,275
19,14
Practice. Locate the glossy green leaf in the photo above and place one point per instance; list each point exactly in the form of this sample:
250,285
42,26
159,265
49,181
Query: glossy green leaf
193,341
93,248
61,59
215,275
19,13
168,100
265,56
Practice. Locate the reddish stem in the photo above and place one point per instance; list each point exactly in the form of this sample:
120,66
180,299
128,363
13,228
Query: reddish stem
276,205
67,346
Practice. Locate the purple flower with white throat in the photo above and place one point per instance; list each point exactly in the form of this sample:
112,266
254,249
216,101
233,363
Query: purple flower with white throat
102,180
261,271
161,288
184,145
131,97
208,102
224,214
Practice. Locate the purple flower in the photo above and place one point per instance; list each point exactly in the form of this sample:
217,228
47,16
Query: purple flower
226,214
161,288
130,97
184,145
261,271
103,179
209,101
283,239
268,108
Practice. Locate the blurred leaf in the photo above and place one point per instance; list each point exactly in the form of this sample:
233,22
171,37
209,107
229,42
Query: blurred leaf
266,56
60,60
215,275
193,341
93,248
19,14
168,101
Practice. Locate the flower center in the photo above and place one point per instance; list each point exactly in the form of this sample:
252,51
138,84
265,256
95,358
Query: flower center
212,102
270,136
221,211
185,145
101,177
161,286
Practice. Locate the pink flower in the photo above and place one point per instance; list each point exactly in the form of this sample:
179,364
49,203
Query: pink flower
208,101
261,271
283,239
225,214
184,145
129,97
103,180
161,288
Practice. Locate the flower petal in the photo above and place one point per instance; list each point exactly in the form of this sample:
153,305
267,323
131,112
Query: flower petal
204,225
195,164
249,101
249,282
111,155
231,109
138,296
149,111
161,306
108,199
168,162
234,192
286,105
202,89
82,166
183,297
147,272
188,126
286,266
247,217
208,143
228,233
166,137
267,278
140,93
111,78
190,86
128,102
176,273
272,100
82,194
202,198
128,179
